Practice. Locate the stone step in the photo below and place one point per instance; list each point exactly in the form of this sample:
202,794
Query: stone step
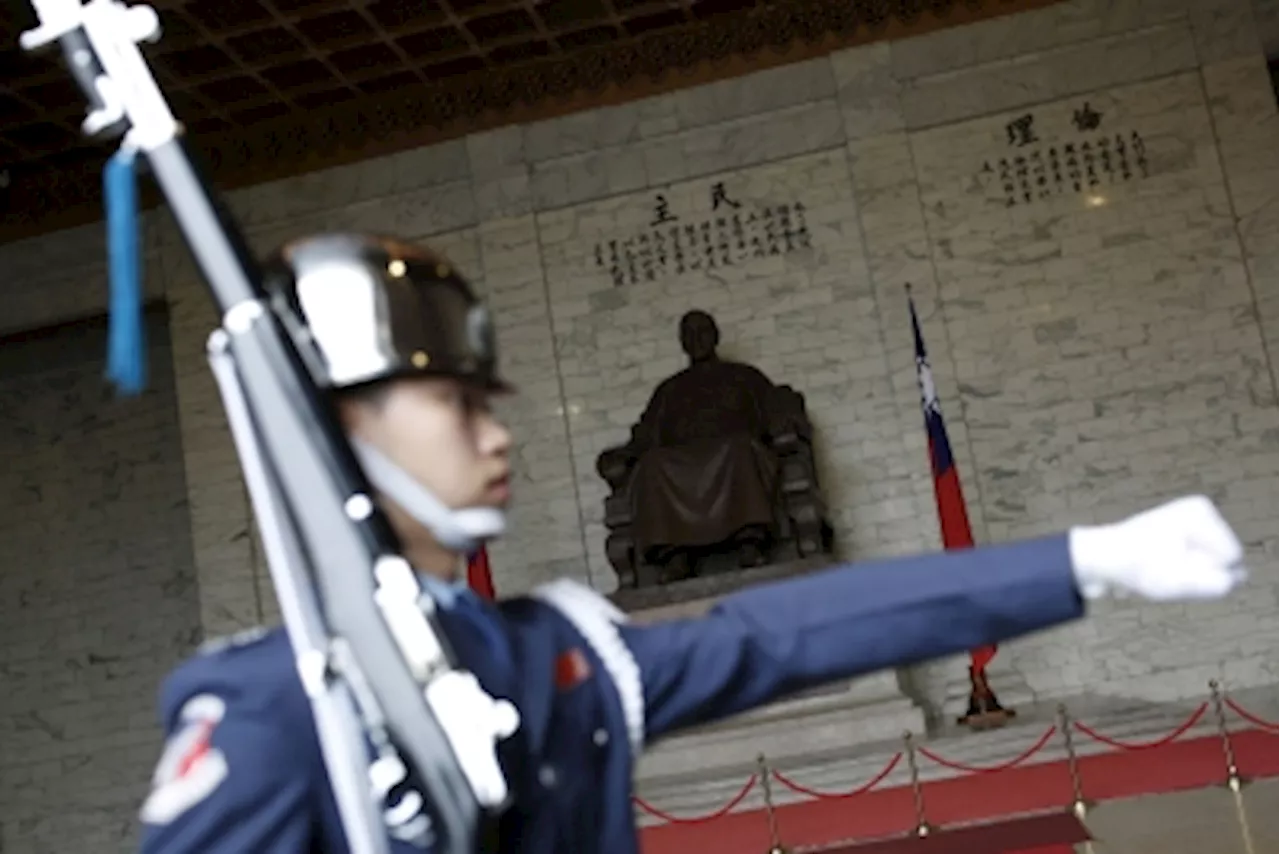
707,755
844,765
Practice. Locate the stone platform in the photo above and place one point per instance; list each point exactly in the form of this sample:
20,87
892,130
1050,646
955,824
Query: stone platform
869,710
842,764
694,595
837,738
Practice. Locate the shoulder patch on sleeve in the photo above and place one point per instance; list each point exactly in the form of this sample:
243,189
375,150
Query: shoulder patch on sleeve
190,768
597,619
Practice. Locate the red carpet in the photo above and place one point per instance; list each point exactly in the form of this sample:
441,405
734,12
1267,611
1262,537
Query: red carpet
1050,833
1025,790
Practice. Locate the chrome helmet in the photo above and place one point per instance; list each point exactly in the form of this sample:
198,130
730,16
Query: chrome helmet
364,309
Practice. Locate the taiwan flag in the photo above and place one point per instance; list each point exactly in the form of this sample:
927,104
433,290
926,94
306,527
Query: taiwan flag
479,576
952,515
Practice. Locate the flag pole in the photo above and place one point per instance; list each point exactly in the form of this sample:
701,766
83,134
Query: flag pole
984,711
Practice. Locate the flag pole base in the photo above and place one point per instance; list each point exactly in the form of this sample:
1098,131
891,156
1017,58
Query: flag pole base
985,711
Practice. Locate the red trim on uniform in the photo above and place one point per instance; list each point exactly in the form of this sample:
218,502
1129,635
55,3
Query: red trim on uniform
199,749
572,669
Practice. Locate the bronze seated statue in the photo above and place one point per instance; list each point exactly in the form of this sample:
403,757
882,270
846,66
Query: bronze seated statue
718,474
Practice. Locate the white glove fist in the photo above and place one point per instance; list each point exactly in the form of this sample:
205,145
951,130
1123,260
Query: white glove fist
1182,550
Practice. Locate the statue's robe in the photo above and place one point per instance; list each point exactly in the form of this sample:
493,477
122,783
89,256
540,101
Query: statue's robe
704,474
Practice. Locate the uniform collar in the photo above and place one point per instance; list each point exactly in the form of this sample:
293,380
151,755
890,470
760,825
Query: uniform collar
445,593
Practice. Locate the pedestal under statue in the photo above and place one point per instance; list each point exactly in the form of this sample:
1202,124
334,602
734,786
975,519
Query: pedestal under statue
699,769
718,474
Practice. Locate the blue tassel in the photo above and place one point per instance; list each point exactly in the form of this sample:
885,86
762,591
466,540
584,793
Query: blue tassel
126,339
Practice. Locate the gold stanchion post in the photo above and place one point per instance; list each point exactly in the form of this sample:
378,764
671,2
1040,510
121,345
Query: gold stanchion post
917,791
1242,818
1228,752
766,780
1079,805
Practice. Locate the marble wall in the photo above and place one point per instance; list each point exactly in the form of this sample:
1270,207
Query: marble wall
98,586
1095,350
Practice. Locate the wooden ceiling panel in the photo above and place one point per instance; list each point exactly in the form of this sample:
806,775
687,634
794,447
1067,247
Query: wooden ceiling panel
270,88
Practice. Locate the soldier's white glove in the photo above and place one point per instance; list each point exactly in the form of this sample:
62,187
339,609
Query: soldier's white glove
1178,551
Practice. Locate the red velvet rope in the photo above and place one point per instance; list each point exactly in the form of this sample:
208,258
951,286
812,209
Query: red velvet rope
831,796
1145,745
700,819
1003,766
1245,714
1039,745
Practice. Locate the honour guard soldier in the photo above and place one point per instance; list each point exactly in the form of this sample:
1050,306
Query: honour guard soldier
409,357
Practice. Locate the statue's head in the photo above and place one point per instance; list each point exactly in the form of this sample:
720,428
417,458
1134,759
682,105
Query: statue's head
699,335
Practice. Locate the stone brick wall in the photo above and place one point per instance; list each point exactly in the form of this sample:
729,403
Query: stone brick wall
1265,13
98,589
1095,351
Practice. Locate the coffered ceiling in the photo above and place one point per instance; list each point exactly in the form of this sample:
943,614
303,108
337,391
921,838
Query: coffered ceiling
269,88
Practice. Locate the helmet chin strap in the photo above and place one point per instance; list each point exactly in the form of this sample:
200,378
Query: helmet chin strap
458,530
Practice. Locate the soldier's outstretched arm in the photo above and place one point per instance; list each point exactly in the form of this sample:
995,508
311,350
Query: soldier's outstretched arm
779,638
763,643
231,781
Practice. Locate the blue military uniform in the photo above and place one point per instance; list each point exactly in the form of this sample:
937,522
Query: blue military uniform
243,770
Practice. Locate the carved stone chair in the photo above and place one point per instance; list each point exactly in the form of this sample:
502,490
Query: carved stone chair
802,528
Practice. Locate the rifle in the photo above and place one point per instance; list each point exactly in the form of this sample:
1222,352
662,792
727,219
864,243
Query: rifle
396,715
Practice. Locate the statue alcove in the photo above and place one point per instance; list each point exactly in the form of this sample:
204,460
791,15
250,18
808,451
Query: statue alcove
717,487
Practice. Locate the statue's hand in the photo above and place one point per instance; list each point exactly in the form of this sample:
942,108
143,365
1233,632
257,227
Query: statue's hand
615,464
1183,550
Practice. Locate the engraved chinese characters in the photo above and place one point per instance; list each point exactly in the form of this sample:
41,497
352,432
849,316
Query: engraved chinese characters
1088,157
731,233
